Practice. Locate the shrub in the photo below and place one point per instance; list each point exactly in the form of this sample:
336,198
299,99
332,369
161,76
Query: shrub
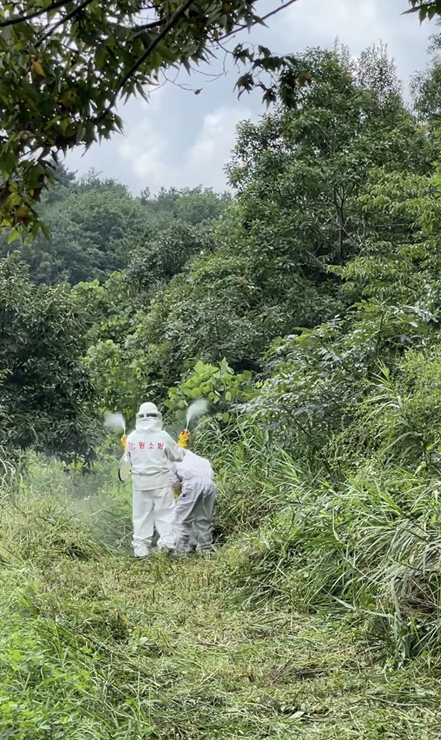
218,384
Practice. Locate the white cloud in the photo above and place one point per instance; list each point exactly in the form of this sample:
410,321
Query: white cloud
145,150
211,151
358,24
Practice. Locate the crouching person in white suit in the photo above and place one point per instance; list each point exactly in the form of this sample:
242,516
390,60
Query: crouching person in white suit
195,505
150,451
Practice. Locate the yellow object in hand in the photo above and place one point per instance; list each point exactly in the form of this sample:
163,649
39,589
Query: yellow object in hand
183,439
124,441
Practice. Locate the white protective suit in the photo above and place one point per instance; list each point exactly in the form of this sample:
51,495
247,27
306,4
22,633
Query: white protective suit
150,449
195,505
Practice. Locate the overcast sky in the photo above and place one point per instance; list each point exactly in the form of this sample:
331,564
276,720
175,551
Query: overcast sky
180,139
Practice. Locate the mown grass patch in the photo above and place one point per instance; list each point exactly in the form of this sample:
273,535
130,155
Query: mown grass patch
104,647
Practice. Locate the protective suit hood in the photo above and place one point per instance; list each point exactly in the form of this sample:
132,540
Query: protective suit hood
149,424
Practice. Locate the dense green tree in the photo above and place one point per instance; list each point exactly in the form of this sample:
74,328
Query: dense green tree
216,308
299,175
159,259
299,172
344,377
426,85
190,205
46,396
93,228
95,224
302,176
399,263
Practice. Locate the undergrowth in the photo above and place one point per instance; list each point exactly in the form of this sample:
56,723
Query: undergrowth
367,543
297,627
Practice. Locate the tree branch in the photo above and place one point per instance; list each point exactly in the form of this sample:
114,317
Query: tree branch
147,26
63,20
175,17
264,18
42,11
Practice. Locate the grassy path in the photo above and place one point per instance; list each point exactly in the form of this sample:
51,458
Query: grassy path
165,649
97,646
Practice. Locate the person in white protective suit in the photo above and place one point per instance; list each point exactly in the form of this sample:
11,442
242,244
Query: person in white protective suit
150,450
195,505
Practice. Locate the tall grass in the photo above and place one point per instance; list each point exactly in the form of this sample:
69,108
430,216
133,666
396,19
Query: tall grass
370,545
96,646
10,478
255,478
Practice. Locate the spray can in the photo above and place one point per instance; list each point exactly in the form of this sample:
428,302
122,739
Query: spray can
124,467
183,439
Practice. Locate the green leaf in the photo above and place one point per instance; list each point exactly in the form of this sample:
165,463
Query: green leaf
37,68
13,236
